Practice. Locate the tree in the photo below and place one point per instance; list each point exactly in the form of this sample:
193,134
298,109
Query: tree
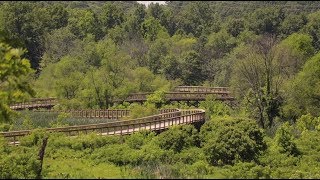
284,140
305,89
14,85
111,16
254,78
292,23
235,26
293,52
229,140
266,20
20,23
158,50
83,22
197,18
135,19
58,43
312,28
151,29
191,69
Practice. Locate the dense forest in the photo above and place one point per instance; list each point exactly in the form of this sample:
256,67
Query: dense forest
89,53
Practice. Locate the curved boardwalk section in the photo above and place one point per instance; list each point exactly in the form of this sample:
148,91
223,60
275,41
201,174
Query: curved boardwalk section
180,93
164,120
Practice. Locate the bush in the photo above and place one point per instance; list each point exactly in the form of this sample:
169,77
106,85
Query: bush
138,139
138,111
307,122
119,154
34,139
285,141
5,127
190,155
177,138
246,170
227,140
215,108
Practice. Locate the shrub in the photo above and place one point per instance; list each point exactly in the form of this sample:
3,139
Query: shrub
177,138
227,140
285,140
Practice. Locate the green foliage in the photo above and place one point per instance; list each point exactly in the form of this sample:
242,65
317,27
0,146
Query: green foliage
83,22
119,154
138,111
151,29
215,108
138,139
305,89
266,20
191,73
158,98
190,155
293,52
293,23
5,127
197,170
61,120
229,140
14,85
21,163
178,138
34,139
312,28
307,122
285,140
219,44
235,26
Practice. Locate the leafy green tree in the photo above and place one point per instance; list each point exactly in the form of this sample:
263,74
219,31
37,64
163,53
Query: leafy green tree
293,52
111,16
307,122
83,22
158,50
312,28
235,26
58,43
196,18
285,140
171,67
135,20
158,98
292,23
266,20
14,84
215,108
229,140
19,22
191,69
304,88
151,28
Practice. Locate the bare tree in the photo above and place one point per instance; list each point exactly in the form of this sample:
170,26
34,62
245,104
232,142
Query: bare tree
254,79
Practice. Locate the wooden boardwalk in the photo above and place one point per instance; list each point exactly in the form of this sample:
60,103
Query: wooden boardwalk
181,93
164,120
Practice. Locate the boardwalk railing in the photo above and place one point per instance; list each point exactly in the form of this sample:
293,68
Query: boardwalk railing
181,96
92,113
201,89
35,103
181,93
155,122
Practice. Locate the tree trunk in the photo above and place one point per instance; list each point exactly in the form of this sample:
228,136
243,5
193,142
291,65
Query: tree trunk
41,155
